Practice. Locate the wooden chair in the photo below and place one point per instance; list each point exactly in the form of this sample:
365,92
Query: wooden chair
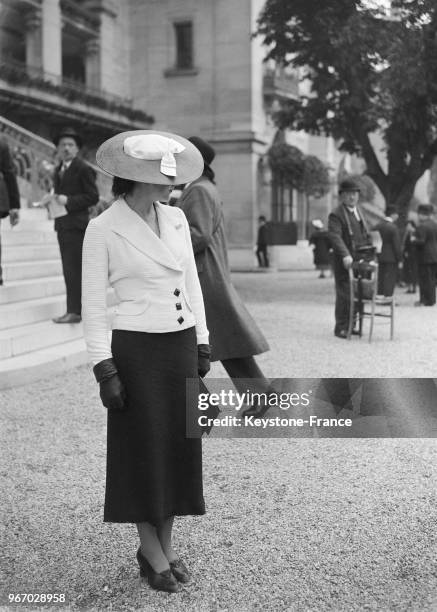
364,298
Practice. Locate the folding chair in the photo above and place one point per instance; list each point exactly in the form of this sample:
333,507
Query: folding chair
363,283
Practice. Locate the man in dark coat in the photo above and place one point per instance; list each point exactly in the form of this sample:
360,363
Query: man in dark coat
262,242
76,190
426,248
348,233
234,335
390,257
9,196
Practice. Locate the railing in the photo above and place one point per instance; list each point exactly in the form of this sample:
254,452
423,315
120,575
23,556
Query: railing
17,73
35,160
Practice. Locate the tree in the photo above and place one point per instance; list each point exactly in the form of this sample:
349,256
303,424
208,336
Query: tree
287,163
368,72
315,177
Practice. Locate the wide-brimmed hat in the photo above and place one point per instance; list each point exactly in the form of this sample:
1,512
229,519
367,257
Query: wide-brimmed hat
348,185
148,156
68,132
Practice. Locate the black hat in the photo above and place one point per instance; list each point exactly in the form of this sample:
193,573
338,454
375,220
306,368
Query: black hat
425,209
205,149
68,132
348,185
391,210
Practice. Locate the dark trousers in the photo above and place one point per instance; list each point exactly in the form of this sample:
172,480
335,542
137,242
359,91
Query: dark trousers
427,274
70,245
1,270
342,296
244,368
387,276
262,256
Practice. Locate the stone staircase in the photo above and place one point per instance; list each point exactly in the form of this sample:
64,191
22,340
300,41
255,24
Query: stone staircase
31,345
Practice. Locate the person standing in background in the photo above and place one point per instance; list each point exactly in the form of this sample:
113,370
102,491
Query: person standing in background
390,258
426,244
262,242
410,258
75,189
320,239
9,195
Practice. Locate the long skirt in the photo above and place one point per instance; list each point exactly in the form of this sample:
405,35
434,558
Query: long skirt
153,471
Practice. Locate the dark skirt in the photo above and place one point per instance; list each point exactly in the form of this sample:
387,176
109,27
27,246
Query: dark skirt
153,471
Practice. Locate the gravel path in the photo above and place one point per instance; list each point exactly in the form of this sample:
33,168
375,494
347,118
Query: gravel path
292,524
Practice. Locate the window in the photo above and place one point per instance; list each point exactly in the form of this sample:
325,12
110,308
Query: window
184,45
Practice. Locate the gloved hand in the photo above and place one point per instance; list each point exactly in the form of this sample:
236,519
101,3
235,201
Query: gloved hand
203,359
112,392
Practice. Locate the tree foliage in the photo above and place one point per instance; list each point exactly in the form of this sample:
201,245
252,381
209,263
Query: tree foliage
367,72
306,173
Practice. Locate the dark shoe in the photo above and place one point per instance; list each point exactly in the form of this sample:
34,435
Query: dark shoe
164,581
180,571
419,304
355,332
342,333
68,317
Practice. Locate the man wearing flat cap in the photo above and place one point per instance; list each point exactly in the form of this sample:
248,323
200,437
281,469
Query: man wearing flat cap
75,190
426,249
347,232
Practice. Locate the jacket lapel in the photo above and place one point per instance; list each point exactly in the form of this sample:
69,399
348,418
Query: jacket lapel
128,224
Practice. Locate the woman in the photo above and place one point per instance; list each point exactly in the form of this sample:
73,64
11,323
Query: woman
143,249
320,239
235,337
410,257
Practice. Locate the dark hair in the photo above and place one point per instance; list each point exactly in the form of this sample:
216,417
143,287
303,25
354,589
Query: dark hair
209,173
391,210
261,218
121,186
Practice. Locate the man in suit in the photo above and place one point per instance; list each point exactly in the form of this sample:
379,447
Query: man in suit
262,243
347,233
426,248
9,196
76,190
390,257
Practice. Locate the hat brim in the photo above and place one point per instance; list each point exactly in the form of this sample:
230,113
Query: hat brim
111,157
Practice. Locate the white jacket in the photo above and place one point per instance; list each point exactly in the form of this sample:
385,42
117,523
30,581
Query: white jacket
155,279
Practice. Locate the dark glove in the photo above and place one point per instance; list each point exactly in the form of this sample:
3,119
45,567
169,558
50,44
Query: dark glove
203,359
112,392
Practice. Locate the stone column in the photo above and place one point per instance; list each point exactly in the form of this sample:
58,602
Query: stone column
32,23
107,11
52,39
92,64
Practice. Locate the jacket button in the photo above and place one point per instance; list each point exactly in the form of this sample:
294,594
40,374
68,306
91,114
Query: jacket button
176,292
180,320
178,306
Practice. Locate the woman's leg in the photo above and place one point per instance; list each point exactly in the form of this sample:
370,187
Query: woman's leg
164,533
151,547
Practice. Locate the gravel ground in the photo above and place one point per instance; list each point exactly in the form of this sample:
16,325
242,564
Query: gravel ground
292,524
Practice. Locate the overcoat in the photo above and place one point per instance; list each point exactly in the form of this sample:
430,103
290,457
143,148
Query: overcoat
426,242
232,330
9,195
391,242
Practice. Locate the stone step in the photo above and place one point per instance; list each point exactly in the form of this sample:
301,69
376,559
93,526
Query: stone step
31,311
16,253
31,269
31,289
32,237
23,369
27,338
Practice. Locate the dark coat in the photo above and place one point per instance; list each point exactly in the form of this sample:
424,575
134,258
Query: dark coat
233,332
391,251
426,242
322,244
9,195
78,183
346,233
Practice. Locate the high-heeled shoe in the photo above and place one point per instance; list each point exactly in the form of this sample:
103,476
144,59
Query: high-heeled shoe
180,571
162,581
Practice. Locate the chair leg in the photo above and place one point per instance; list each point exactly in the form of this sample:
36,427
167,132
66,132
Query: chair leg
372,319
392,320
351,305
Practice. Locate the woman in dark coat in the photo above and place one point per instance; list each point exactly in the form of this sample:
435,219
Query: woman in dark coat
234,336
410,258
